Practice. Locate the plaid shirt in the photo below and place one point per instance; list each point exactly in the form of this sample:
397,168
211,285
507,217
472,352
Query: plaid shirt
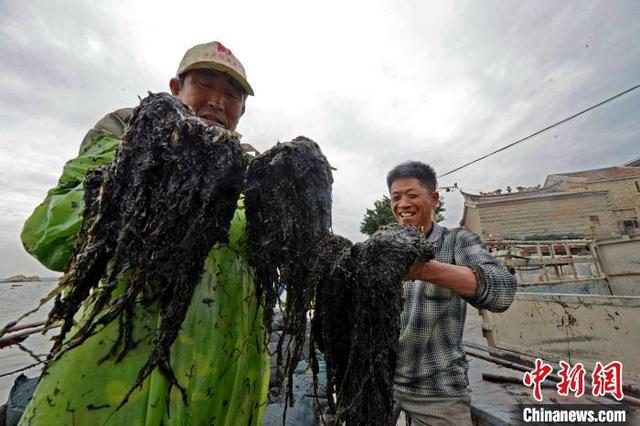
431,359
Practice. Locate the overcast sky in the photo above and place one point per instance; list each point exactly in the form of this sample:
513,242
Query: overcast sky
375,83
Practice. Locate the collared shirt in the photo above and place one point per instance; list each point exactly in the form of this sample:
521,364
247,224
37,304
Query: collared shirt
431,359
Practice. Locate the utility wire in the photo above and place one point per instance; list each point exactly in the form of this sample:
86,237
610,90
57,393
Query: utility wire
542,131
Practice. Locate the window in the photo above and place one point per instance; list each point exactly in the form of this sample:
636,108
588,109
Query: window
595,220
637,185
629,225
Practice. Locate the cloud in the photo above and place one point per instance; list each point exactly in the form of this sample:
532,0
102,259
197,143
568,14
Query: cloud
374,83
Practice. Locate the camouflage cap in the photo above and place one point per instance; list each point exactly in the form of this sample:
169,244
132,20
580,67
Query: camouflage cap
214,56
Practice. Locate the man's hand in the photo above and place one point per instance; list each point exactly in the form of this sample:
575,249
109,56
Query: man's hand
460,279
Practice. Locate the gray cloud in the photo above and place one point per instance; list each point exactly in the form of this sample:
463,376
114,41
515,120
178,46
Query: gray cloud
375,83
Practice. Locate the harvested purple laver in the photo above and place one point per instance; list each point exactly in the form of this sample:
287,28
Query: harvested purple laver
355,291
288,207
151,218
357,321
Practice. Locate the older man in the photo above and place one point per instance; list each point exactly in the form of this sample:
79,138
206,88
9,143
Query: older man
210,79
431,375
219,356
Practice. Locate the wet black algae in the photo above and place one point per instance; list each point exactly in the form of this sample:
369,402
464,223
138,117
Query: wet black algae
288,207
354,291
150,219
357,319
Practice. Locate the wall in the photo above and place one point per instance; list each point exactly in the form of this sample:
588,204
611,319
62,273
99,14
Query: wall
472,220
623,195
584,215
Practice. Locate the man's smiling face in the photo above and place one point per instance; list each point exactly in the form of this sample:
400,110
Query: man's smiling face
214,96
412,203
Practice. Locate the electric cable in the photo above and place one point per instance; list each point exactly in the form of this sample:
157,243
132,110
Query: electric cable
542,130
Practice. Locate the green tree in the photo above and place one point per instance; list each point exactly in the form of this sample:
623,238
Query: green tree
381,215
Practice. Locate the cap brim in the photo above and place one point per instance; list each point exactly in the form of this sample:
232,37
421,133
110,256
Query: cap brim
208,65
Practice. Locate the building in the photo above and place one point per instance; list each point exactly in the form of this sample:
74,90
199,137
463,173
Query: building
622,183
593,204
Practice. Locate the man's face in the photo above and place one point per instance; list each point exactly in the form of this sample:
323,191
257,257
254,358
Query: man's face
215,97
412,203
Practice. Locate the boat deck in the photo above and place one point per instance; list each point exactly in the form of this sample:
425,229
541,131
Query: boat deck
499,403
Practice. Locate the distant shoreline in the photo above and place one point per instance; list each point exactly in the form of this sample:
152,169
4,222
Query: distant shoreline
20,278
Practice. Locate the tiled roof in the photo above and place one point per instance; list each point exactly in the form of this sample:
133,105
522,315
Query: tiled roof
554,190
558,189
604,174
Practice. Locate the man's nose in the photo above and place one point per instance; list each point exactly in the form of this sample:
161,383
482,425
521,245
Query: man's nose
216,100
403,202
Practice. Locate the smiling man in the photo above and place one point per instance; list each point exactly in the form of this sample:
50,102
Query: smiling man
219,356
210,80
431,383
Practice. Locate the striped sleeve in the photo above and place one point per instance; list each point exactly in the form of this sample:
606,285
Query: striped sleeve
496,286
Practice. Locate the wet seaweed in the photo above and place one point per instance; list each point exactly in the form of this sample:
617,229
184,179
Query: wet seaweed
288,207
357,321
354,291
150,219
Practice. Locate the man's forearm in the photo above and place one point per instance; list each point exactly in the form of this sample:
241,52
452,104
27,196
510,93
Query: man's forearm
459,279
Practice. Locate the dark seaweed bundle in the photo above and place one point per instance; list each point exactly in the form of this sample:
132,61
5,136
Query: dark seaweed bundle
354,290
334,314
288,207
151,217
357,320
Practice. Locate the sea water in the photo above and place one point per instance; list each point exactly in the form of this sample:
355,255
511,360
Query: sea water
16,299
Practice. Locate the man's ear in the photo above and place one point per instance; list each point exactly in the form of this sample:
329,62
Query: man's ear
435,196
244,106
174,85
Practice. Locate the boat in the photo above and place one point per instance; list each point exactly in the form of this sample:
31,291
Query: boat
578,301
